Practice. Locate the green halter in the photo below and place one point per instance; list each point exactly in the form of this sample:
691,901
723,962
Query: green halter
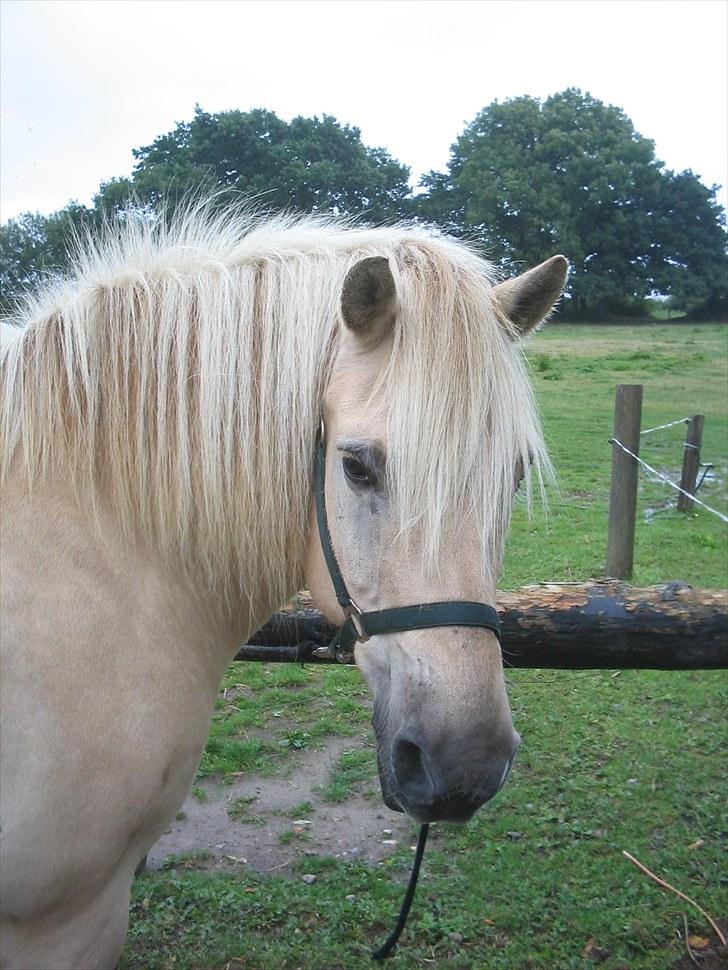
360,626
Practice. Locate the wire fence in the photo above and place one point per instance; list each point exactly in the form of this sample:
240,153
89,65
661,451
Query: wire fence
664,478
626,464
662,427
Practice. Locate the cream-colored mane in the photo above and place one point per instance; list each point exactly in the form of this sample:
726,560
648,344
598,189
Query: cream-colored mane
180,374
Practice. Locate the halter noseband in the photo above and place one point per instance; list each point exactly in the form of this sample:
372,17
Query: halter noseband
360,626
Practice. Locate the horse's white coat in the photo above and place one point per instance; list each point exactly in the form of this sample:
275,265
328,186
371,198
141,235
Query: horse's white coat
157,430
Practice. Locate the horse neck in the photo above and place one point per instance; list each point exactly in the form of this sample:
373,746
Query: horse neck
220,484
225,602
187,410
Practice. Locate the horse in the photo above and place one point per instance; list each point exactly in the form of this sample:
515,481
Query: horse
161,405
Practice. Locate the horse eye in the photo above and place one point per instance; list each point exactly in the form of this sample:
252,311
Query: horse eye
356,471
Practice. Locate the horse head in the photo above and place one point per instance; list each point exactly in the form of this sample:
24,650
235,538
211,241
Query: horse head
445,737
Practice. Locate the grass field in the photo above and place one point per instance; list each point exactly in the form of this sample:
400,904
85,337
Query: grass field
610,760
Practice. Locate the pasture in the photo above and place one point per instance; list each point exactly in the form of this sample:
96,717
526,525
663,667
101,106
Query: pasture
610,760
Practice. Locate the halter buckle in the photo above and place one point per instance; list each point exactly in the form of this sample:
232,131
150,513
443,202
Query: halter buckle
353,613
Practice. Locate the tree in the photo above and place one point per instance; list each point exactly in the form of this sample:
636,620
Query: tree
32,245
309,165
691,262
23,253
571,174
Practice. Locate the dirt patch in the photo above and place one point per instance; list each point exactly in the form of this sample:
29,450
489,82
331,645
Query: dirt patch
707,953
252,821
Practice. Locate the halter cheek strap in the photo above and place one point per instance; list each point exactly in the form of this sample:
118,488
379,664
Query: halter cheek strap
360,626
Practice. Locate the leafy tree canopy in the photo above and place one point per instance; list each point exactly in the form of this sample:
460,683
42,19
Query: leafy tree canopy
690,247
525,179
33,245
309,165
570,174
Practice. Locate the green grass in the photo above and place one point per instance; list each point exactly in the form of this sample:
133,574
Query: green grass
352,768
239,809
683,370
301,810
610,761
266,714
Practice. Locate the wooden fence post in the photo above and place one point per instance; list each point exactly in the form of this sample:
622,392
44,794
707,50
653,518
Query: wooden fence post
691,462
623,494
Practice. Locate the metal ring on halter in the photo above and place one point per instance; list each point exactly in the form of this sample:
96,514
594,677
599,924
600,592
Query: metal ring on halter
353,612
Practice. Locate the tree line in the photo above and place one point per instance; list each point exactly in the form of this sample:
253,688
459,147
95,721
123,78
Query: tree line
525,179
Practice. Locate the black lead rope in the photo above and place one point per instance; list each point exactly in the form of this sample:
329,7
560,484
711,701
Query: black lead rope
386,948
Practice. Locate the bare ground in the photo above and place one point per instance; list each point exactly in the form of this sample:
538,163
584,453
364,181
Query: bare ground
267,836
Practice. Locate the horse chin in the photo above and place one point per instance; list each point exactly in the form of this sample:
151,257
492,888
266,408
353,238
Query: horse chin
455,810
458,814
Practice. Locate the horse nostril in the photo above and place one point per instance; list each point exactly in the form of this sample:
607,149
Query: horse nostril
410,771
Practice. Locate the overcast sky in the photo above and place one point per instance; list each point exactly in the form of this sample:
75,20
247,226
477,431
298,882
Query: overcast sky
82,83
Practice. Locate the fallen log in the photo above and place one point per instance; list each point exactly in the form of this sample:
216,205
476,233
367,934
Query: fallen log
568,626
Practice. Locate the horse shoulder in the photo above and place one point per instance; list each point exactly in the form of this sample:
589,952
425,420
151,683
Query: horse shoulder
106,659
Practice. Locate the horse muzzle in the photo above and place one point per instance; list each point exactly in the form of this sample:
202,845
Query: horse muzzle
449,790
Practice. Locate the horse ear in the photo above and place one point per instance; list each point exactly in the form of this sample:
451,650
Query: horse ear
528,299
369,299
